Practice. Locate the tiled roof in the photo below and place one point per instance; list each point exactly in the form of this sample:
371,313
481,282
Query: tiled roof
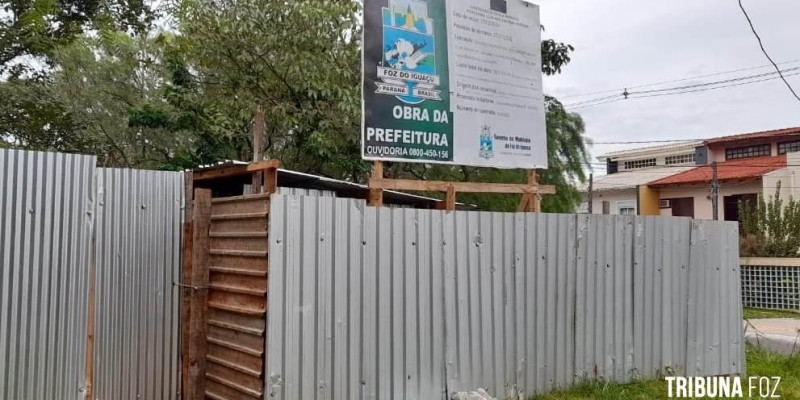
747,168
754,135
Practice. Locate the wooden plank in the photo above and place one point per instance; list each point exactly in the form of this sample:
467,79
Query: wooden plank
375,193
186,276
90,323
235,170
199,298
450,203
524,203
271,180
468,187
536,200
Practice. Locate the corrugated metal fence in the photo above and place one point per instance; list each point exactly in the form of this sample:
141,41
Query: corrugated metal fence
139,220
378,303
46,217
51,231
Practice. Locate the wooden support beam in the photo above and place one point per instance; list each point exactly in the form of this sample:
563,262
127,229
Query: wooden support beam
198,346
235,170
524,203
186,277
258,144
450,203
90,323
536,200
467,187
270,180
376,193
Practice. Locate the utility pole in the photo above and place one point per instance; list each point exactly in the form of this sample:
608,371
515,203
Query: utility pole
591,192
715,191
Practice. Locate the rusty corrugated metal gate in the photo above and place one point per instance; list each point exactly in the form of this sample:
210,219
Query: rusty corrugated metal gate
237,287
237,296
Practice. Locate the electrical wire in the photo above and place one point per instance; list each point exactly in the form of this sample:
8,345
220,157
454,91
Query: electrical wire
683,89
621,89
763,50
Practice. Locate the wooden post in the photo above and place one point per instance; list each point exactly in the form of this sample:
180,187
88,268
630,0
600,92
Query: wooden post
376,195
531,201
451,198
198,346
258,144
271,180
186,277
536,200
90,322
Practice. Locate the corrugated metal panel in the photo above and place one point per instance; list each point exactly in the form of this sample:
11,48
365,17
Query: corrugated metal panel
661,261
604,318
138,251
46,216
715,334
369,303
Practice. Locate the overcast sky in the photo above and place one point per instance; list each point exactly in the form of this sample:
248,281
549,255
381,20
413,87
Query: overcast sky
623,43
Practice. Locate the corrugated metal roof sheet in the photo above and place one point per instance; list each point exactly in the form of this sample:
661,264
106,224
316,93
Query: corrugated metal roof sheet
748,168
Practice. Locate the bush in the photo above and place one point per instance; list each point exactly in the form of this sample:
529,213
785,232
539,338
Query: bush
770,228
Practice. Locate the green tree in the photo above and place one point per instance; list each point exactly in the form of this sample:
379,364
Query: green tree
105,85
299,59
36,28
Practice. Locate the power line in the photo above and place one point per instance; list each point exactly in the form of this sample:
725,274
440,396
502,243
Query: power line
712,88
714,83
681,90
676,80
763,50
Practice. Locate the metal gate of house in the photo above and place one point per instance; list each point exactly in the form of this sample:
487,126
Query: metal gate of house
229,257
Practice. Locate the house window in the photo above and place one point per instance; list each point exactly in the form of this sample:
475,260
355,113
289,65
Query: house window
747,152
626,207
788,147
680,159
643,163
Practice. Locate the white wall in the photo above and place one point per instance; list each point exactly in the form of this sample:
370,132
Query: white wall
701,194
615,197
789,178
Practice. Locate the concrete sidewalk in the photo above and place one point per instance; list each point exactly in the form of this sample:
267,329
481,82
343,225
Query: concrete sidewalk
780,335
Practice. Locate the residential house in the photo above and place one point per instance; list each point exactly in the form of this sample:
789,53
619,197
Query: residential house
743,166
627,171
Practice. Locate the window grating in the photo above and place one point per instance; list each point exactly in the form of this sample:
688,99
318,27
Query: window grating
788,147
747,152
643,163
680,159
771,287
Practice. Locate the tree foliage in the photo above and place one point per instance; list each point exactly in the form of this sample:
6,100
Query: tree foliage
770,228
36,28
299,59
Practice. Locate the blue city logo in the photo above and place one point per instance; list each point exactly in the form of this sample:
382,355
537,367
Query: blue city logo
487,143
408,69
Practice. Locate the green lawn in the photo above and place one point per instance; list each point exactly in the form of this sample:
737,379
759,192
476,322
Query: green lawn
759,363
757,313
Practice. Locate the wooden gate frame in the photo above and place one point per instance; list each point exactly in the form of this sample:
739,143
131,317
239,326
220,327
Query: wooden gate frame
195,272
